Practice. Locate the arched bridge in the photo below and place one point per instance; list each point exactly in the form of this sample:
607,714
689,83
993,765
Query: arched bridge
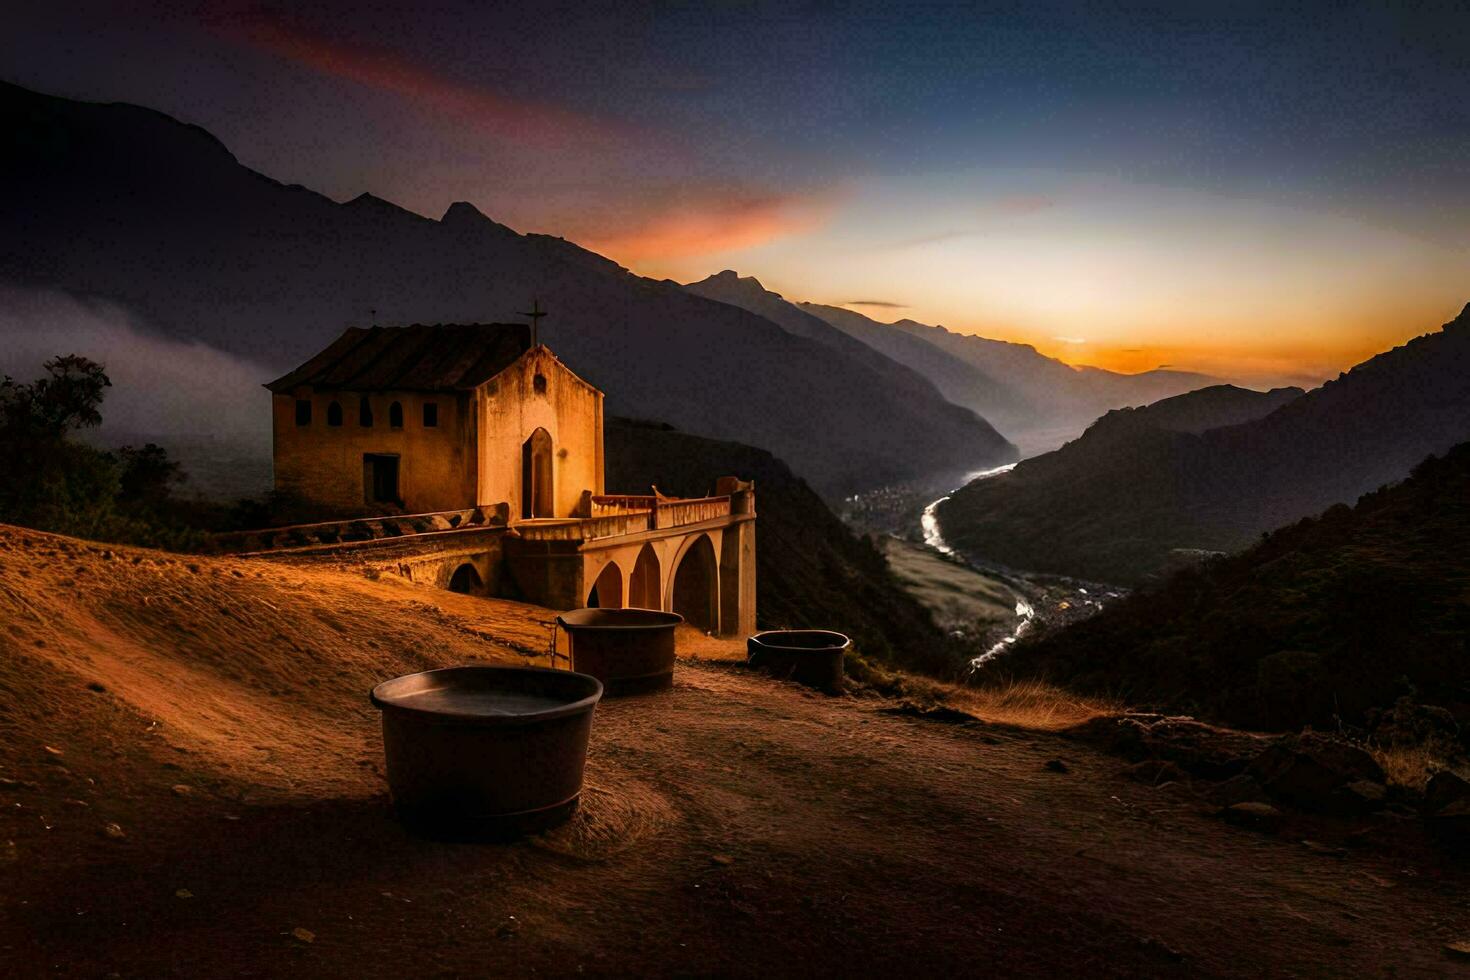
695,557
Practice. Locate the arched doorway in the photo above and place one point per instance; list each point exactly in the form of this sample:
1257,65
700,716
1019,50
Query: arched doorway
536,498
645,588
466,580
607,591
696,586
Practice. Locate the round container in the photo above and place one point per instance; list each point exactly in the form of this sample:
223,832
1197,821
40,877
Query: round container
629,650
812,657
486,751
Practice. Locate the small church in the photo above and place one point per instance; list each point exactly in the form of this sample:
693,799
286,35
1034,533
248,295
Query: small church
477,423
435,418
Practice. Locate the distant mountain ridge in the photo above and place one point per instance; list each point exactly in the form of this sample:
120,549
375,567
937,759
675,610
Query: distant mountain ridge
1037,401
1113,504
126,204
747,293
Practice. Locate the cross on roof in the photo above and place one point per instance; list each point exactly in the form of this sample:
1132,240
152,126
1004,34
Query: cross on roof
535,313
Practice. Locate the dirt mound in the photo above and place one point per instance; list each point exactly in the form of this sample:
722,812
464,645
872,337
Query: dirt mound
255,672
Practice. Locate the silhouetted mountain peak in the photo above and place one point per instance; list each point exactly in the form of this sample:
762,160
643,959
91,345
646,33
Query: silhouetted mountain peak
729,279
371,204
463,214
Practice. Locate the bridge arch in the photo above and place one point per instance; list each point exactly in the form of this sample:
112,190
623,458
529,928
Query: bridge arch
466,580
694,586
607,591
645,587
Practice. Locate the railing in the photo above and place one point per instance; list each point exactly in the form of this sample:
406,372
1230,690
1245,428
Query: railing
353,530
666,511
612,515
604,505
676,513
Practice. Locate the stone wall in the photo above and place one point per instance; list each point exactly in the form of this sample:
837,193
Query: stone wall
324,463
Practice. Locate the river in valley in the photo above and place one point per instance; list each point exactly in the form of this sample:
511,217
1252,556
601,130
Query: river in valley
1057,600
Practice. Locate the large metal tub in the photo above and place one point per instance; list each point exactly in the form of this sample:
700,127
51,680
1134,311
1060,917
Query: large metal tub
486,751
629,650
812,657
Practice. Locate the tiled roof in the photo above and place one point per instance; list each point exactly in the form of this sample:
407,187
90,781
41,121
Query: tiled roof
423,357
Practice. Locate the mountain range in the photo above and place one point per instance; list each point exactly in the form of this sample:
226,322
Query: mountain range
125,204
1037,402
1214,469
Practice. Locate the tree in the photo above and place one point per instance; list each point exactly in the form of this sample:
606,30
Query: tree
69,397
147,475
46,480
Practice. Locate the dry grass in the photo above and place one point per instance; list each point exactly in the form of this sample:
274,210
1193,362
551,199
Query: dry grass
1032,704
1410,766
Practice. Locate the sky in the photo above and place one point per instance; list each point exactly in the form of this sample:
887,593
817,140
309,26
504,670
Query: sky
1266,195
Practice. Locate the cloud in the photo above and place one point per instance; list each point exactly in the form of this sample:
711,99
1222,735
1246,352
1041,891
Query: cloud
1070,340
527,120
160,387
877,302
712,222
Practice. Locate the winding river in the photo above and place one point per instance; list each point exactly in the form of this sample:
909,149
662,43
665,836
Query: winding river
934,538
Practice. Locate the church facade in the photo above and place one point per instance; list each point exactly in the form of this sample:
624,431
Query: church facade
435,418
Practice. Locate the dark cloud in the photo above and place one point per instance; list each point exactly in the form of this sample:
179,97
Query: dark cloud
877,302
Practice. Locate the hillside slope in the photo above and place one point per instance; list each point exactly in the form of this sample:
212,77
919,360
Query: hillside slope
1113,508
126,204
192,781
811,571
1322,620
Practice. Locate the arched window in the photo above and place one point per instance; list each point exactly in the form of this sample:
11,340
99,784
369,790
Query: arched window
334,414
364,412
395,415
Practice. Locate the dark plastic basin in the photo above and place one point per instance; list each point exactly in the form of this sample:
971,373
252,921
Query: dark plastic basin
812,657
486,751
629,650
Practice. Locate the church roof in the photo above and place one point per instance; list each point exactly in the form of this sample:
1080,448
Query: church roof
423,357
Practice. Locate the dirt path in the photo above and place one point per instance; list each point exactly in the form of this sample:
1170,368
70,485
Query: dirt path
733,825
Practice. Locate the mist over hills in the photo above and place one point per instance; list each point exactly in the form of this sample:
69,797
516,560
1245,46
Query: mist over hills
124,204
1190,473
